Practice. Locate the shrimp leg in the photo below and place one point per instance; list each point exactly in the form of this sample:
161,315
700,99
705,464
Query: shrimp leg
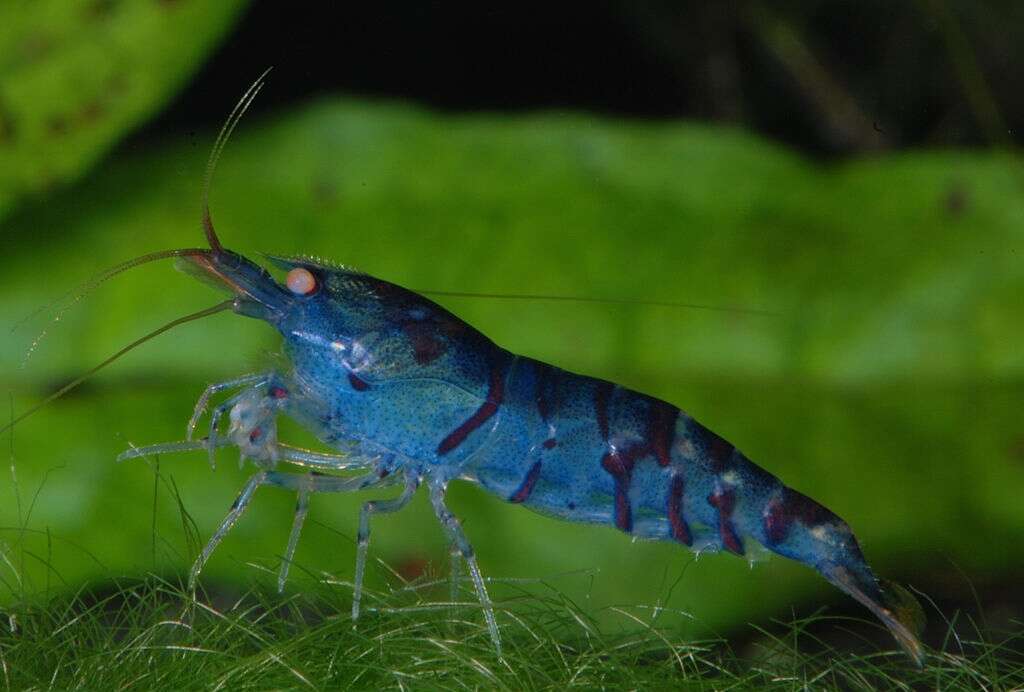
321,460
239,506
204,398
213,437
283,452
363,538
454,572
301,508
309,483
458,537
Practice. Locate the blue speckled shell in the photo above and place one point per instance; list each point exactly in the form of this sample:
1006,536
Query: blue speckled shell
400,376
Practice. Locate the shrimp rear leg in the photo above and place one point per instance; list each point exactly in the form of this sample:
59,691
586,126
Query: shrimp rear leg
454,572
461,542
304,485
311,483
363,537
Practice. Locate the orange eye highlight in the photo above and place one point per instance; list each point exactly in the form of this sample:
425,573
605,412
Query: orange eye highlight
301,281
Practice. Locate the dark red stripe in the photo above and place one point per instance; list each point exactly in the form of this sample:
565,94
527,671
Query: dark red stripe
526,487
357,384
620,466
808,511
545,380
663,431
776,521
680,531
427,344
602,395
791,506
623,512
550,443
495,395
718,451
725,502
617,464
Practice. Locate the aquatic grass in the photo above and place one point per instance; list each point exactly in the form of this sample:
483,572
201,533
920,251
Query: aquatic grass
154,634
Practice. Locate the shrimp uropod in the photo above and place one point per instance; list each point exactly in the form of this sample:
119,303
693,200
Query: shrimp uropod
411,395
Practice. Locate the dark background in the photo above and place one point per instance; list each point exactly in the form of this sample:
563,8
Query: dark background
827,77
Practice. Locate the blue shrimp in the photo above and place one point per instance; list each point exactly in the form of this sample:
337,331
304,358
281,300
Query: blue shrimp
410,394
409,391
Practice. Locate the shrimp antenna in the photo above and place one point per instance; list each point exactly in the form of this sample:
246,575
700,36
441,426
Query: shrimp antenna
601,301
76,294
72,297
219,307
218,147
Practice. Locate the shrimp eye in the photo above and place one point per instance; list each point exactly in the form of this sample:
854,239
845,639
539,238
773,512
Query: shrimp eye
301,281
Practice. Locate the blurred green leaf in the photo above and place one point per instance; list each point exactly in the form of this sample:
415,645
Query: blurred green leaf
888,384
76,76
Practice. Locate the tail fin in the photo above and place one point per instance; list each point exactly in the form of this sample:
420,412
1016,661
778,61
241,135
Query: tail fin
894,606
908,614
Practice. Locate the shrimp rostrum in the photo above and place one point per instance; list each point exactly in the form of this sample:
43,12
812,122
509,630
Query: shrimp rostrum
409,394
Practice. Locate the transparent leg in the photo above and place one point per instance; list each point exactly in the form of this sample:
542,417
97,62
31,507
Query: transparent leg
213,437
456,571
239,506
168,448
204,398
310,483
301,508
458,537
322,460
306,486
363,537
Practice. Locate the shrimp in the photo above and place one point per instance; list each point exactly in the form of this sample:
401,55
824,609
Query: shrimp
409,394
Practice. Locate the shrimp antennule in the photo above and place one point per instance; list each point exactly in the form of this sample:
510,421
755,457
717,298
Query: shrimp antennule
218,147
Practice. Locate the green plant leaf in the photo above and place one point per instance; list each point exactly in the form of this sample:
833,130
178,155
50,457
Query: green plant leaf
76,76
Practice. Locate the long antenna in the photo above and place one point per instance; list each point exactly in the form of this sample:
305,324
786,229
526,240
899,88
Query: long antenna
218,147
219,307
604,301
76,294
